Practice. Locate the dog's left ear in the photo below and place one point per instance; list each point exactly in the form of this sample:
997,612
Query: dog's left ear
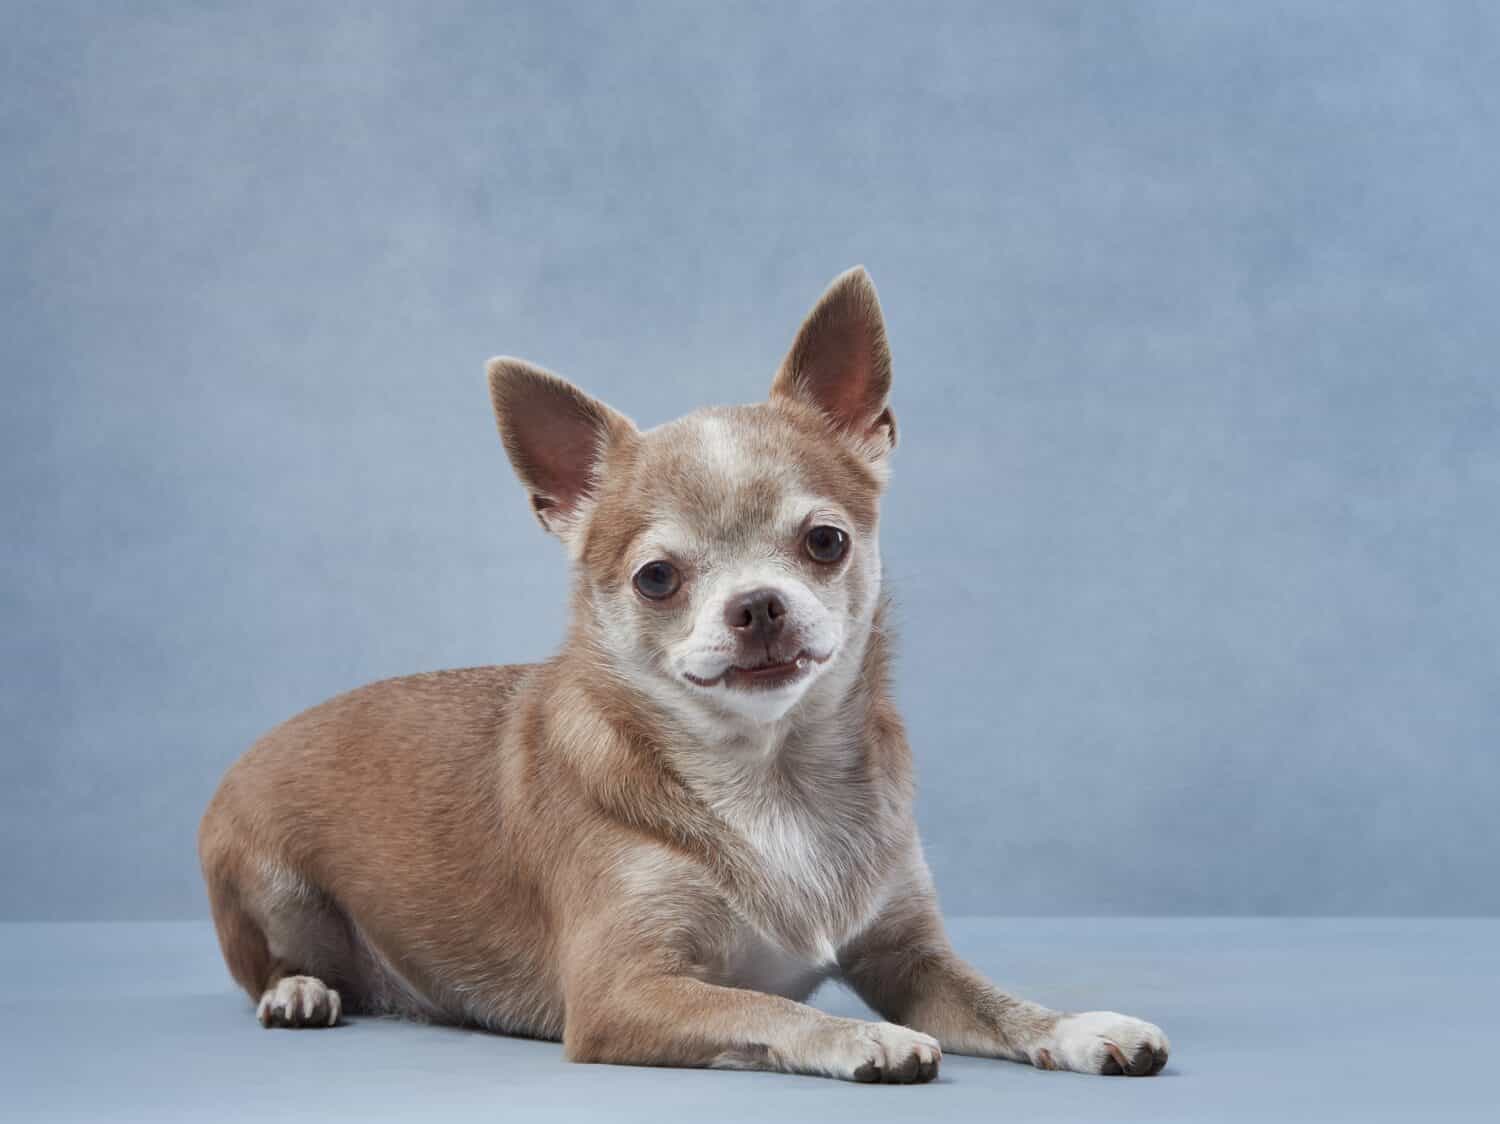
840,364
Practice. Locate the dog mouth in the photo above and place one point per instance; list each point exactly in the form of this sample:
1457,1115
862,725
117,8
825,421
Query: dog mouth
765,676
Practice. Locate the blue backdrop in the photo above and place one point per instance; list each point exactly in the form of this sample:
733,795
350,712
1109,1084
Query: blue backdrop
1196,513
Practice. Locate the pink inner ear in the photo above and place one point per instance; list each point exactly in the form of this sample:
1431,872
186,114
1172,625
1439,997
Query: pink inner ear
846,395
839,369
563,448
555,434
839,361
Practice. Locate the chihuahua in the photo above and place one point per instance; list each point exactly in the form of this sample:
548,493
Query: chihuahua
657,844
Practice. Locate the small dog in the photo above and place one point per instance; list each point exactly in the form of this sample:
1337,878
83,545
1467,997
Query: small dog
656,844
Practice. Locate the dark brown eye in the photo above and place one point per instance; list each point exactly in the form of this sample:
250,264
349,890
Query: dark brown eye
826,544
657,580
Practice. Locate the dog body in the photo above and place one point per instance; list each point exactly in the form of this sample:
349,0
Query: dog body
656,844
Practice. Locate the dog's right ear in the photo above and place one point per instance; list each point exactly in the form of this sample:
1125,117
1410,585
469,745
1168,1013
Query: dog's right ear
556,437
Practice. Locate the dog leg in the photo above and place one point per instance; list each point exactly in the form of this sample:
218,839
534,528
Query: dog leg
270,945
905,969
299,1001
681,1021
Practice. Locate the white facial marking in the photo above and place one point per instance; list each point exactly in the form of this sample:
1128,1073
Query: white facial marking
722,451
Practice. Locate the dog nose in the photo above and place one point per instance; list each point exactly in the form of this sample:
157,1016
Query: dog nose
759,613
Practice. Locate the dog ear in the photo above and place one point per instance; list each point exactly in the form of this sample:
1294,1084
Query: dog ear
840,364
557,438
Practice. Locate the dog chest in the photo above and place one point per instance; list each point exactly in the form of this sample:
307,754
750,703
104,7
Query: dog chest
760,965
792,847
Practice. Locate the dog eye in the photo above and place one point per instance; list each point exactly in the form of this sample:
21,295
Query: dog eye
826,544
657,580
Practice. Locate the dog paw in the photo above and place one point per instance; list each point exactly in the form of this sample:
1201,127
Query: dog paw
888,1054
1104,1042
299,1001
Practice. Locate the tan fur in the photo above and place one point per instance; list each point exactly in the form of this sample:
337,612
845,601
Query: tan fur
598,850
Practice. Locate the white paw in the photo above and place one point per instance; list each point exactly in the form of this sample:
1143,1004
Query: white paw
299,1001
885,1052
1104,1042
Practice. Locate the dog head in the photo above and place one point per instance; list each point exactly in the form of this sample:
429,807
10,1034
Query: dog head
727,562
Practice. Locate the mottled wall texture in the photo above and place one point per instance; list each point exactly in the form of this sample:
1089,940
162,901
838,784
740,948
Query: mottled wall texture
1196,514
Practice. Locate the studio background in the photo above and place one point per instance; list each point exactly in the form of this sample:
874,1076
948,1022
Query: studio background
1194,520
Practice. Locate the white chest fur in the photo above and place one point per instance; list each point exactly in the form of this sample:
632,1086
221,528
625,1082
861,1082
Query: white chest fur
759,965
801,812
795,849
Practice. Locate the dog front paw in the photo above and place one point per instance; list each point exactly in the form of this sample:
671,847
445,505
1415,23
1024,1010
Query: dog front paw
883,1053
299,1001
1104,1042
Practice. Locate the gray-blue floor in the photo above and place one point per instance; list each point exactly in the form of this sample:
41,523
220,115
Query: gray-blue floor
1274,1020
